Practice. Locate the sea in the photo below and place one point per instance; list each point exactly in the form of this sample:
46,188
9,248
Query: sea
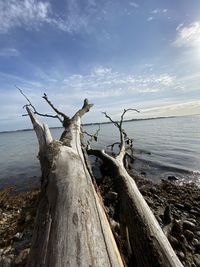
163,148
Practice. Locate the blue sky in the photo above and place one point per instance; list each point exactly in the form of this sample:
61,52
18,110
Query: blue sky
141,54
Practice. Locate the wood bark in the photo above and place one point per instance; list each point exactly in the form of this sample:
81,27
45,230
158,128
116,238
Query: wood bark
71,227
148,243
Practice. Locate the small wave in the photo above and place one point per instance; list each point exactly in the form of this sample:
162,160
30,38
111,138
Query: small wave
157,171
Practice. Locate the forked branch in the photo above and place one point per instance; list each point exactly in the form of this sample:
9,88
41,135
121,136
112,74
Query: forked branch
85,108
34,109
126,143
92,137
65,120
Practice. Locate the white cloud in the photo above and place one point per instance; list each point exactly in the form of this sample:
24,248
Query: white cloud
188,36
104,87
104,83
28,13
155,11
134,4
9,52
159,11
150,18
101,70
33,14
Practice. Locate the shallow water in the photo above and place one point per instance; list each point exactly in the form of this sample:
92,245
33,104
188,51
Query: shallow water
163,147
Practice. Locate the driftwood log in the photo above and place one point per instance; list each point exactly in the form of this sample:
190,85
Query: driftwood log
71,227
148,244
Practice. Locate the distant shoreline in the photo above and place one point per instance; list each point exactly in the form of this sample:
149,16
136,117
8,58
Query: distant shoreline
101,123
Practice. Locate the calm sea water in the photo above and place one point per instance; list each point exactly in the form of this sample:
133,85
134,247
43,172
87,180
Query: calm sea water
163,147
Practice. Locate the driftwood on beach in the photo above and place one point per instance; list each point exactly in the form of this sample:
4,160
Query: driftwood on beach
71,227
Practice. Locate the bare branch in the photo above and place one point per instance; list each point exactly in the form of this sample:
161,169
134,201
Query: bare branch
93,137
111,120
85,108
126,143
114,144
34,109
125,111
66,119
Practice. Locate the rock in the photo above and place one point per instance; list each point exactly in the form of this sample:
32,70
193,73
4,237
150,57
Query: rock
149,201
195,241
189,235
22,257
6,250
18,236
196,258
189,225
198,233
181,255
143,173
174,242
196,245
28,218
111,211
195,212
153,190
179,206
192,220
5,262
112,195
114,225
176,227
172,178
187,206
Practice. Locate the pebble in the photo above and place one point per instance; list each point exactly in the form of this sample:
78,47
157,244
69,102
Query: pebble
18,236
179,206
22,257
195,212
6,250
197,246
28,218
181,255
188,225
192,220
174,242
112,195
198,233
172,178
189,235
196,258
176,228
187,206
5,262
114,225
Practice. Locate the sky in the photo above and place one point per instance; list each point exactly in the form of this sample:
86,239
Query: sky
142,54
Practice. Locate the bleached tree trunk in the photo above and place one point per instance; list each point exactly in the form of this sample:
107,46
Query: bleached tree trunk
71,227
148,244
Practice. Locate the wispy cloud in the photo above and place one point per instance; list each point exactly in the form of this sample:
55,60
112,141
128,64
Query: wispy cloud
134,4
155,13
159,11
103,83
33,14
9,52
188,36
26,13
150,18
